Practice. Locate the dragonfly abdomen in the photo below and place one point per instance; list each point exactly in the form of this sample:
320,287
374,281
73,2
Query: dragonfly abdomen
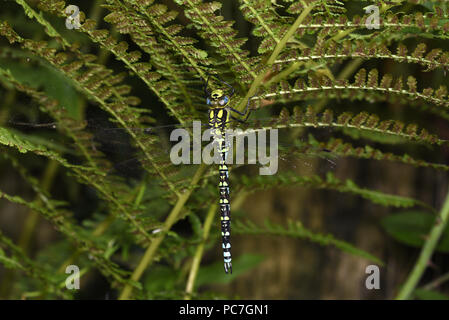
225,211
218,121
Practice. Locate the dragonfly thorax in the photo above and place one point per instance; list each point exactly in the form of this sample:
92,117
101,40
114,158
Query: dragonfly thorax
218,118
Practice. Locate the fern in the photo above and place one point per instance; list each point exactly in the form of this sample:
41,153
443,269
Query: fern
331,182
311,69
297,230
12,256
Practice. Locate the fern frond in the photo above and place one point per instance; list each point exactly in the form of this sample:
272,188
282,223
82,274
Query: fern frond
221,35
155,18
328,8
344,149
118,107
295,229
393,26
7,138
68,228
362,88
91,175
266,23
252,184
70,128
153,79
13,257
362,121
31,13
303,52
175,95
336,52
83,173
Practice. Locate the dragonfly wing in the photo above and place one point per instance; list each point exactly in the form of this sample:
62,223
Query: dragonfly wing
299,153
117,144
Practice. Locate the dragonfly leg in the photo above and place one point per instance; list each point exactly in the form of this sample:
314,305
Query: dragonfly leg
245,112
205,85
237,119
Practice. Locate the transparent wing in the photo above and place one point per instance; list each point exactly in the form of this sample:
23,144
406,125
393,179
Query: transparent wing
294,148
282,150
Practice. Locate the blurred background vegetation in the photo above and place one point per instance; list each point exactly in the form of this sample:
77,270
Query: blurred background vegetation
271,267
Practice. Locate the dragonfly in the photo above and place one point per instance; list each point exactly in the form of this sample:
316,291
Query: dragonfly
221,115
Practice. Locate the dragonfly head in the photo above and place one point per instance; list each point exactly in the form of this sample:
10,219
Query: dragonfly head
217,98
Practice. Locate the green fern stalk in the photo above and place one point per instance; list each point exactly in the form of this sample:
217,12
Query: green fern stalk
426,252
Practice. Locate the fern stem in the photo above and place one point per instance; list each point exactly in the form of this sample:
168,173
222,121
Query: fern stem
406,93
366,56
426,252
199,251
277,50
284,73
299,61
171,219
289,34
350,68
335,124
236,204
9,100
96,11
33,217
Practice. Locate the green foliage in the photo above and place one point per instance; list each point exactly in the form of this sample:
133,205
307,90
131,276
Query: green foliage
212,274
331,182
297,230
412,228
311,59
429,295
